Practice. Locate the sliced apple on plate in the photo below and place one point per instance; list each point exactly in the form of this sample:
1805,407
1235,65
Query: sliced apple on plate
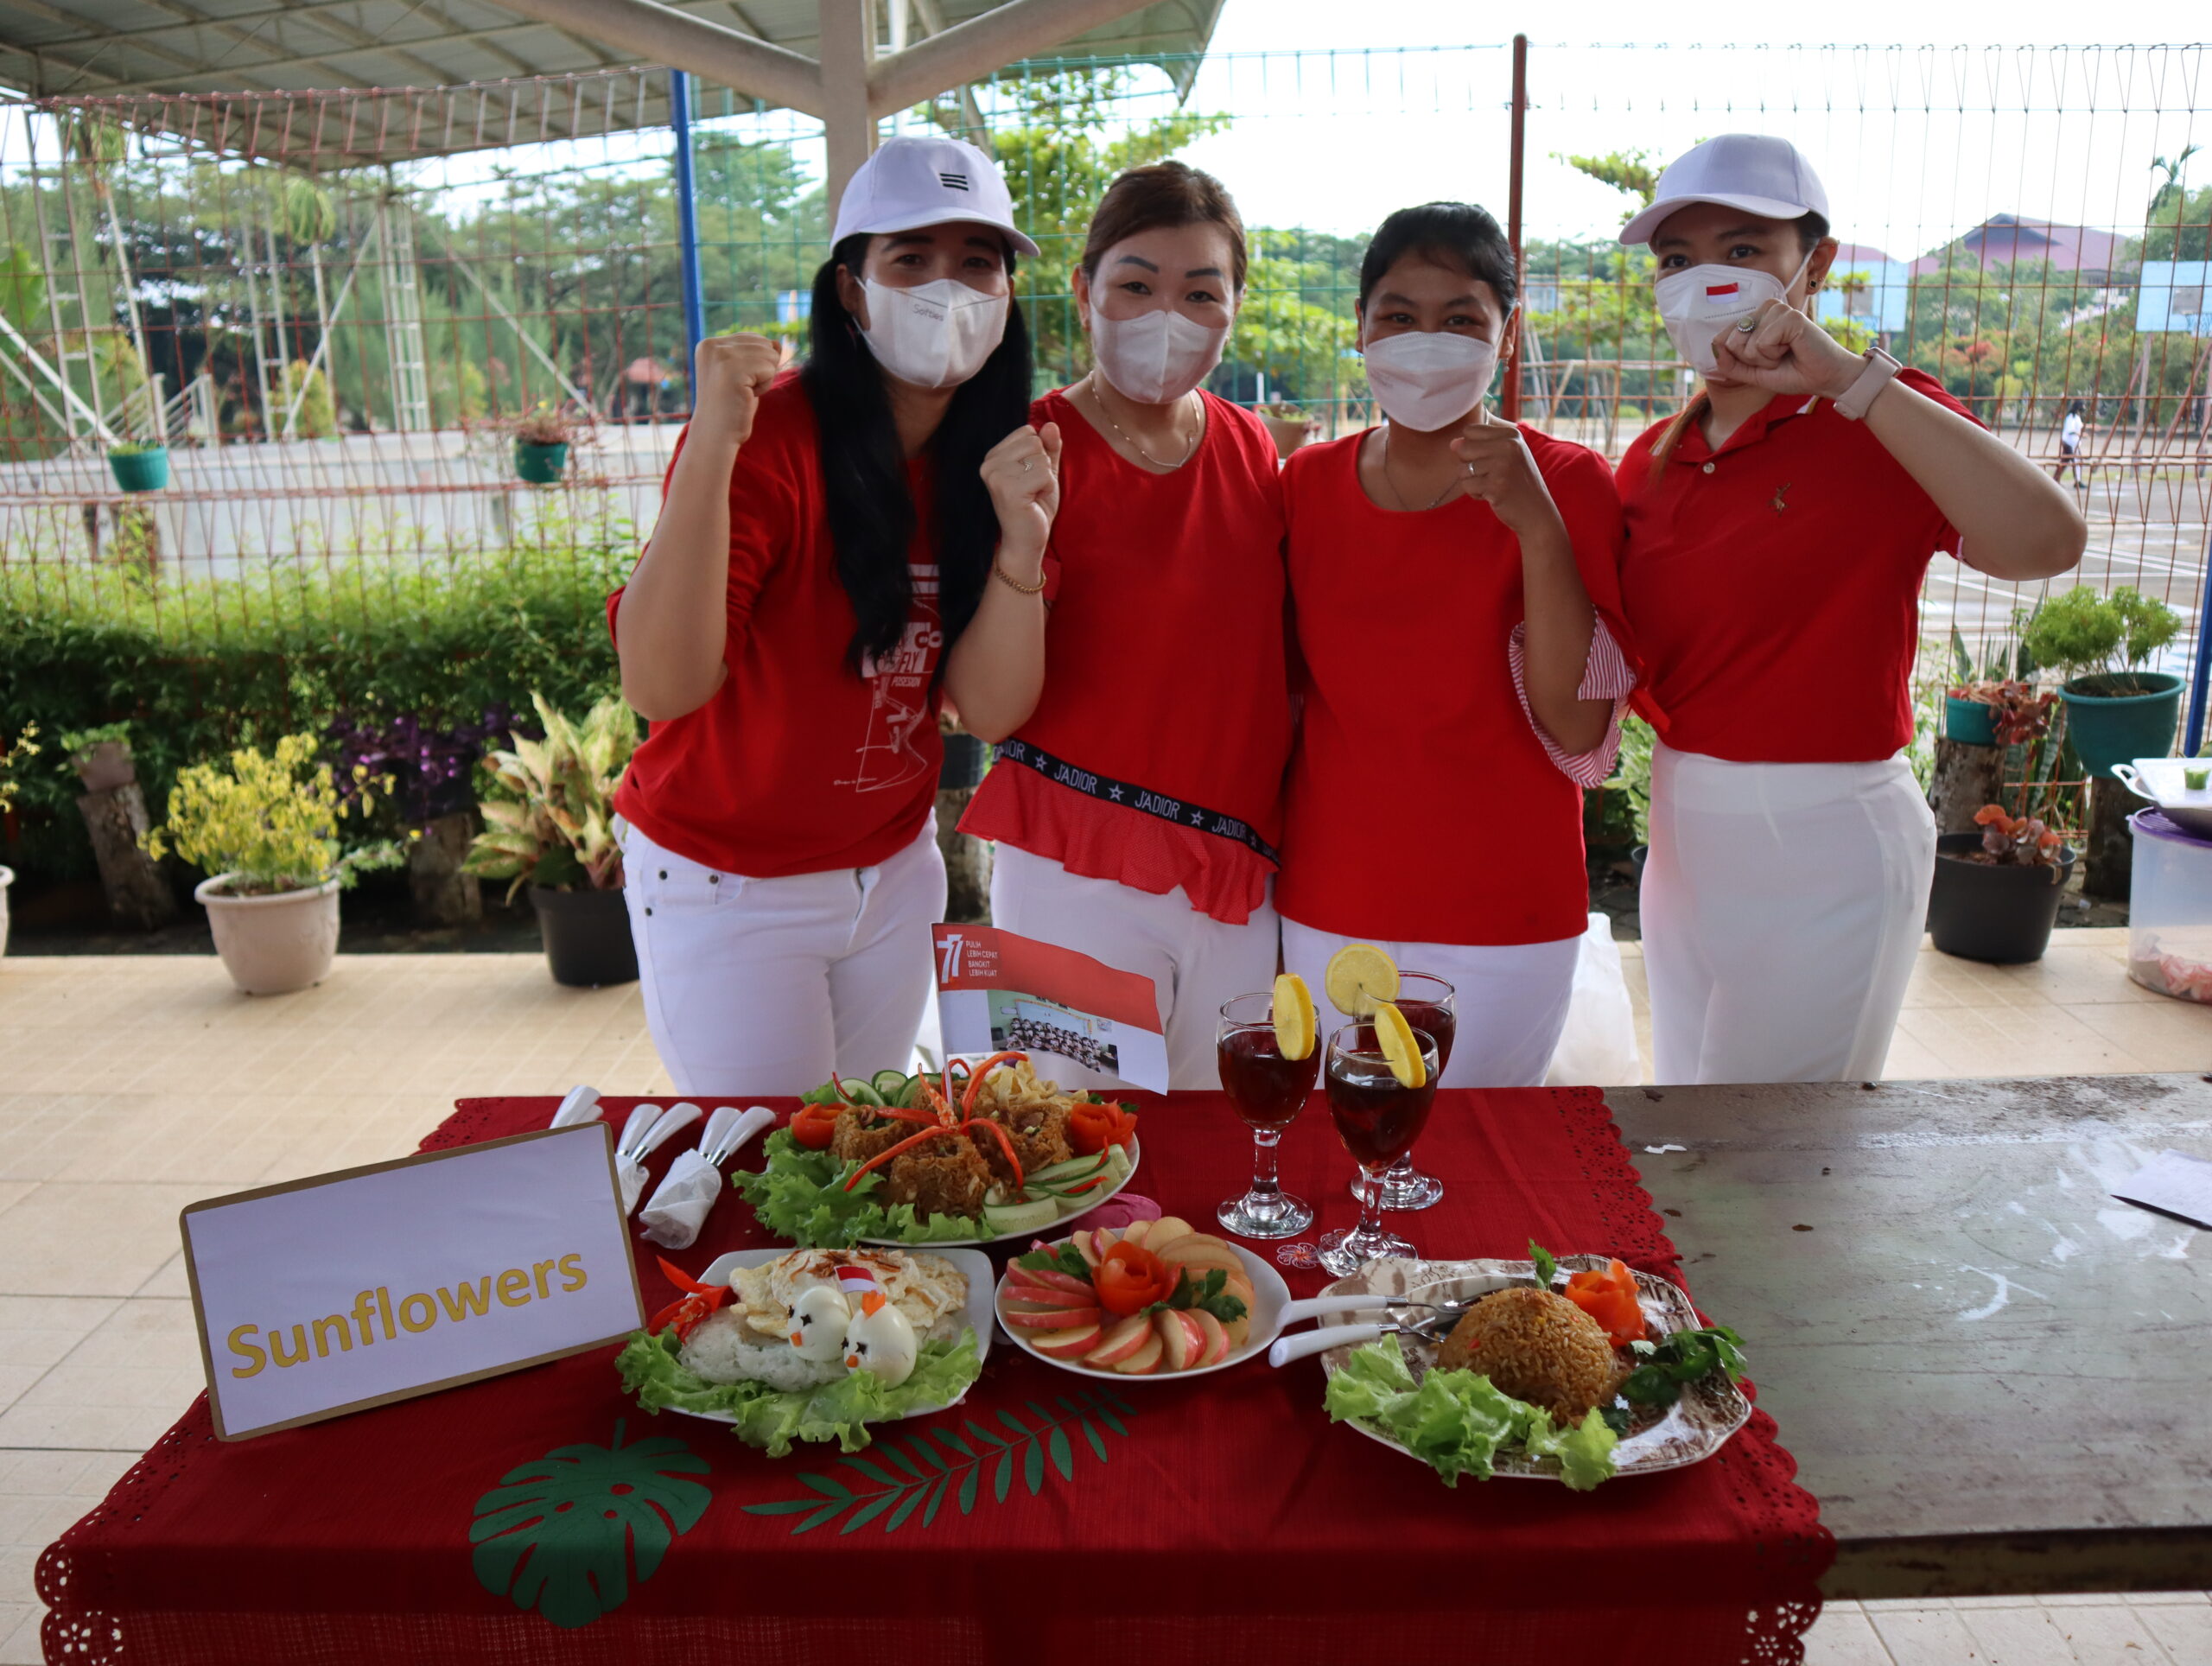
1070,1343
1122,1339
1146,1360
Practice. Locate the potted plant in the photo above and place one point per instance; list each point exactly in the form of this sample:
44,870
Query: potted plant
1996,893
264,826
542,440
101,756
548,824
2116,711
2002,713
25,745
139,465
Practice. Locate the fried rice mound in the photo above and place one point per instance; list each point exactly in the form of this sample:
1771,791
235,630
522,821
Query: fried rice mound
1538,1347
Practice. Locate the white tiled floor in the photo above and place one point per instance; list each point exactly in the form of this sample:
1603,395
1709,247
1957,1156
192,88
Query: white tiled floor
130,1087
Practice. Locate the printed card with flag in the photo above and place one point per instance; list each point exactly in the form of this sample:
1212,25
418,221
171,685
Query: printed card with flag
1083,1023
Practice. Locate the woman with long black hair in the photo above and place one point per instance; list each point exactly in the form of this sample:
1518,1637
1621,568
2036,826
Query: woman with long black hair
838,552
1778,530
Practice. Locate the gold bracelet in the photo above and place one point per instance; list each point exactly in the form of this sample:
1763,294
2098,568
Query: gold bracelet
1014,584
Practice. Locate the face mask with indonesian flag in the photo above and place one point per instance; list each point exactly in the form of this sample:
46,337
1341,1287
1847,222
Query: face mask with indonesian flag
1699,303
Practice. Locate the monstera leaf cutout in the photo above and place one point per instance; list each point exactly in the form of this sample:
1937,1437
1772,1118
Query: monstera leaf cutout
563,1533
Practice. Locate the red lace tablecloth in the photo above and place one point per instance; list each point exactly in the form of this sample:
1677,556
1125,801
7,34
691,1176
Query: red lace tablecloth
1222,1520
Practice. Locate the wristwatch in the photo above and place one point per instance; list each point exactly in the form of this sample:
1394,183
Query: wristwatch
1854,400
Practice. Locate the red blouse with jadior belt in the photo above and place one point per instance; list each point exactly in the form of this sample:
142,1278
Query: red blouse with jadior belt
1155,756
1425,803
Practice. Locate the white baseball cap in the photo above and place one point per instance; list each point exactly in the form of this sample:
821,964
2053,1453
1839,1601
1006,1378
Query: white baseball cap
912,181
1756,172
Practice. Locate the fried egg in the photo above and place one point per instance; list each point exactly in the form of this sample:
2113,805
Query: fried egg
927,1288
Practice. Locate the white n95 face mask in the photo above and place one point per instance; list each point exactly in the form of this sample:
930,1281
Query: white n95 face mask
936,335
1699,303
1157,357
1428,379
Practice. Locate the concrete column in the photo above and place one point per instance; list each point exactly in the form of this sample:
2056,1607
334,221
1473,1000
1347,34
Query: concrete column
848,52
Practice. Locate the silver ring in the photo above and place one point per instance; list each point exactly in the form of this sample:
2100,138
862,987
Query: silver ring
1747,325
1025,465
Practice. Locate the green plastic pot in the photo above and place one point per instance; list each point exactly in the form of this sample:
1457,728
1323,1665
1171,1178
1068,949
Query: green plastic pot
541,465
140,471
2117,729
1969,722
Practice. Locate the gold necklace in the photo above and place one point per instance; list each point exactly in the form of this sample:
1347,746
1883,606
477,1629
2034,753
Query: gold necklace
1099,399
1408,508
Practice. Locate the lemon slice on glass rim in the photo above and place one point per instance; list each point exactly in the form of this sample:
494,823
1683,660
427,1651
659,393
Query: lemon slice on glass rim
1399,1047
1293,1016
1360,975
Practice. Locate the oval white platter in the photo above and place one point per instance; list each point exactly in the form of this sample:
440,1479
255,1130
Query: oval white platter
1693,1428
977,1313
1269,1295
1064,1225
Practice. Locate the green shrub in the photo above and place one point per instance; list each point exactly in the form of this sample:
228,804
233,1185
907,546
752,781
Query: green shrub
2082,635
197,667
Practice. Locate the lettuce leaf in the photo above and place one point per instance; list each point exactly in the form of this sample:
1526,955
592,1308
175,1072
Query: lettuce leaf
775,1419
1458,1422
800,1195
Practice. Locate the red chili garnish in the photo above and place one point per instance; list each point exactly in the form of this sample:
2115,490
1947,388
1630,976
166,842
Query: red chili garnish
688,1312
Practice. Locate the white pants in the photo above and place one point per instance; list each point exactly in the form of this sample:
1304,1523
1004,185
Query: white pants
1510,1000
761,986
1196,963
1783,909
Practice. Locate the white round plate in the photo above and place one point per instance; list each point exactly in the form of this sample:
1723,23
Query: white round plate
1066,1224
1693,1427
977,1313
1269,1296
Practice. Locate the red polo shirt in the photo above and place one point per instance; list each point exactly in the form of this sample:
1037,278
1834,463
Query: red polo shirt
1773,586
796,765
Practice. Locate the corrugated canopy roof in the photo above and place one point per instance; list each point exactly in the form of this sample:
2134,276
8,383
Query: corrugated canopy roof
146,53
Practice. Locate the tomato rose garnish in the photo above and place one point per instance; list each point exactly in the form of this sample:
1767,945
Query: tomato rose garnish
1131,1278
1092,1128
815,1127
1609,1297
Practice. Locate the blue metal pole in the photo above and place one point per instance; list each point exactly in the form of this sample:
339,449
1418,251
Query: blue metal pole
687,216
2200,673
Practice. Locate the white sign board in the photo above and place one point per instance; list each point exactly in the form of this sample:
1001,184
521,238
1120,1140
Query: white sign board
349,1290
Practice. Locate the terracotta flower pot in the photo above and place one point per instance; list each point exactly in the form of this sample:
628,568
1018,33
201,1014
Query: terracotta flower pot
273,944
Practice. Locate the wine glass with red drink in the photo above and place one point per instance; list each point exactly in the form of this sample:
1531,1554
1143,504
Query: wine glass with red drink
1426,1002
1268,1091
1378,1118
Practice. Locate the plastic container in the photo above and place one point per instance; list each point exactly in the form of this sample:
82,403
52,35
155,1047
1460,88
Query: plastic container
2169,909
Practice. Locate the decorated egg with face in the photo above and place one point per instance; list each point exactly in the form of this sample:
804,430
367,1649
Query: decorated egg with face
880,1340
818,1319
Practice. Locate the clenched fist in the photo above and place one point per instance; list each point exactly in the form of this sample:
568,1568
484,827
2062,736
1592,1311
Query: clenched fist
1783,352
1501,472
729,374
1023,473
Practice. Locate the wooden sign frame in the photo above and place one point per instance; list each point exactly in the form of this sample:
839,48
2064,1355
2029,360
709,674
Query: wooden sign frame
312,1182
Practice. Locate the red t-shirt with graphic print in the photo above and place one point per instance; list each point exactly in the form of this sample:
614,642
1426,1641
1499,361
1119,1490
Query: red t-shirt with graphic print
796,765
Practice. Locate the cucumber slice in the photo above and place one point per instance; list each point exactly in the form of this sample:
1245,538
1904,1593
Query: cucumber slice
857,1092
1021,1216
889,1085
1075,1168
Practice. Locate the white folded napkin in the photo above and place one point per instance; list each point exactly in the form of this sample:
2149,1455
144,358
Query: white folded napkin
694,1182
581,1104
648,1129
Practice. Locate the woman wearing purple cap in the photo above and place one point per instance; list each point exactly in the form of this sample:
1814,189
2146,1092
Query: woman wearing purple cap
1778,529
838,551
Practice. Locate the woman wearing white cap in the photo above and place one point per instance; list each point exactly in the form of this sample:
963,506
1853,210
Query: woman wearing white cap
1779,528
1136,814
837,551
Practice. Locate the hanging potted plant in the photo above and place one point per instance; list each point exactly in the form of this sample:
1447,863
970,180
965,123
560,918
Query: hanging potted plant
139,465
548,824
264,826
541,441
24,745
1996,893
2115,711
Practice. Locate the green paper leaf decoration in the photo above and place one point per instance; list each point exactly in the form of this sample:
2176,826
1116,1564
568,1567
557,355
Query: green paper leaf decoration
568,1532
936,1464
